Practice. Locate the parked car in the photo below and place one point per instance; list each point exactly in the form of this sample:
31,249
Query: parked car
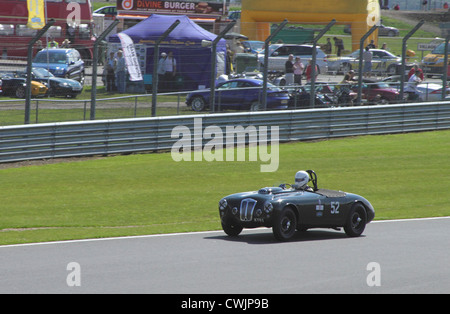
382,30
279,53
379,92
425,91
433,63
253,46
16,86
234,15
56,86
61,62
432,92
239,94
383,62
110,10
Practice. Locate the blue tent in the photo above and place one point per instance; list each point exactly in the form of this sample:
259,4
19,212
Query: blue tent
185,41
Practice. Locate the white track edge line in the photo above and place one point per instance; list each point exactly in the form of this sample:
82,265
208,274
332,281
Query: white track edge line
182,233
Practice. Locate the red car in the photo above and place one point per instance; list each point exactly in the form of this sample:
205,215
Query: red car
378,92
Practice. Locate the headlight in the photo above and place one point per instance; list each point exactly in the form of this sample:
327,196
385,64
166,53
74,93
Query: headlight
223,204
268,207
59,71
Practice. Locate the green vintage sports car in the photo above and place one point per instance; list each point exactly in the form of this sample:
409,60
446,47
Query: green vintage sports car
288,208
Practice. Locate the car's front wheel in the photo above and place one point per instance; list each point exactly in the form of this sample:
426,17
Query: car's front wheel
285,225
231,229
198,103
356,221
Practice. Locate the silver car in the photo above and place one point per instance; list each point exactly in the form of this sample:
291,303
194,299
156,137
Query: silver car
279,53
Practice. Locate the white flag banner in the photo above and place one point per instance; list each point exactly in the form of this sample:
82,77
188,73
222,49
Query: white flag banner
130,56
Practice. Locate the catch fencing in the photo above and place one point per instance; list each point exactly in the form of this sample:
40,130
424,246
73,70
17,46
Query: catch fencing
119,136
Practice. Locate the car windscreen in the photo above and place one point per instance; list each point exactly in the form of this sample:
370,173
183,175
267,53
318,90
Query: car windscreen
50,57
42,73
439,50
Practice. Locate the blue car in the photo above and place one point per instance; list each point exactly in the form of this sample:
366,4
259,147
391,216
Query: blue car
239,94
253,46
65,63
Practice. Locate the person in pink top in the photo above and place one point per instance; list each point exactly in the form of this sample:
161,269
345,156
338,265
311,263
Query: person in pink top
298,71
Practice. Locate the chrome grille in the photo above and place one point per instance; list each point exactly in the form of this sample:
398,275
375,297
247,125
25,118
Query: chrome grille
247,207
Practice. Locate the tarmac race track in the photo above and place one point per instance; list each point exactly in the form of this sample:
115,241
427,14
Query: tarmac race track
402,256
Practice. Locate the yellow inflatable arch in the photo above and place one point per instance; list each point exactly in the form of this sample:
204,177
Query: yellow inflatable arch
257,15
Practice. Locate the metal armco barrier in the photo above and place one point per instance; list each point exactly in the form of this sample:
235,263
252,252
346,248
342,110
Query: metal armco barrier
103,137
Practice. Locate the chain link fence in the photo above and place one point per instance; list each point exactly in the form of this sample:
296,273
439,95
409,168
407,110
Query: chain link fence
138,98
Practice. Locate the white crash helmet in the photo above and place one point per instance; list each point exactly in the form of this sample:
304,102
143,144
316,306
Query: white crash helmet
301,179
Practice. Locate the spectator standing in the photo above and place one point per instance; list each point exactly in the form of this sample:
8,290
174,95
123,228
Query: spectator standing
65,43
328,47
372,44
411,87
52,43
162,71
171,71
298,71
308,71
339,45
415,70
367,62
120,70
289,70
110,75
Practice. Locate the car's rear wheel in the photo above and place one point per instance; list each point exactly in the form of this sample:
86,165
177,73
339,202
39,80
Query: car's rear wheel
198,103
392,69
285,225
231,229
254,106
345,67
20,92
356,221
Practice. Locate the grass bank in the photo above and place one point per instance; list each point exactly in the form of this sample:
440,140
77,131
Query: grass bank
404,176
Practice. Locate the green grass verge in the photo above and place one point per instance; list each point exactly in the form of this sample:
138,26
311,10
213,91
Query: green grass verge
404,176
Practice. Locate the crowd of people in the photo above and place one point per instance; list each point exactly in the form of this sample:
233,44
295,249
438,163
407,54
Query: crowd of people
167,71
115,72
295,69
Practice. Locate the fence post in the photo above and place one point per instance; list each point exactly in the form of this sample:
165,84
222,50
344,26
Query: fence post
312,93
29,66
445,69
212,87
361,47
94,67
155,65
266,61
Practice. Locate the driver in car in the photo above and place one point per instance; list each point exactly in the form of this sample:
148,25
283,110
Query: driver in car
301,181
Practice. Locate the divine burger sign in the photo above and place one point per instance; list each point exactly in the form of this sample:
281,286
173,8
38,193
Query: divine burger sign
177,7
